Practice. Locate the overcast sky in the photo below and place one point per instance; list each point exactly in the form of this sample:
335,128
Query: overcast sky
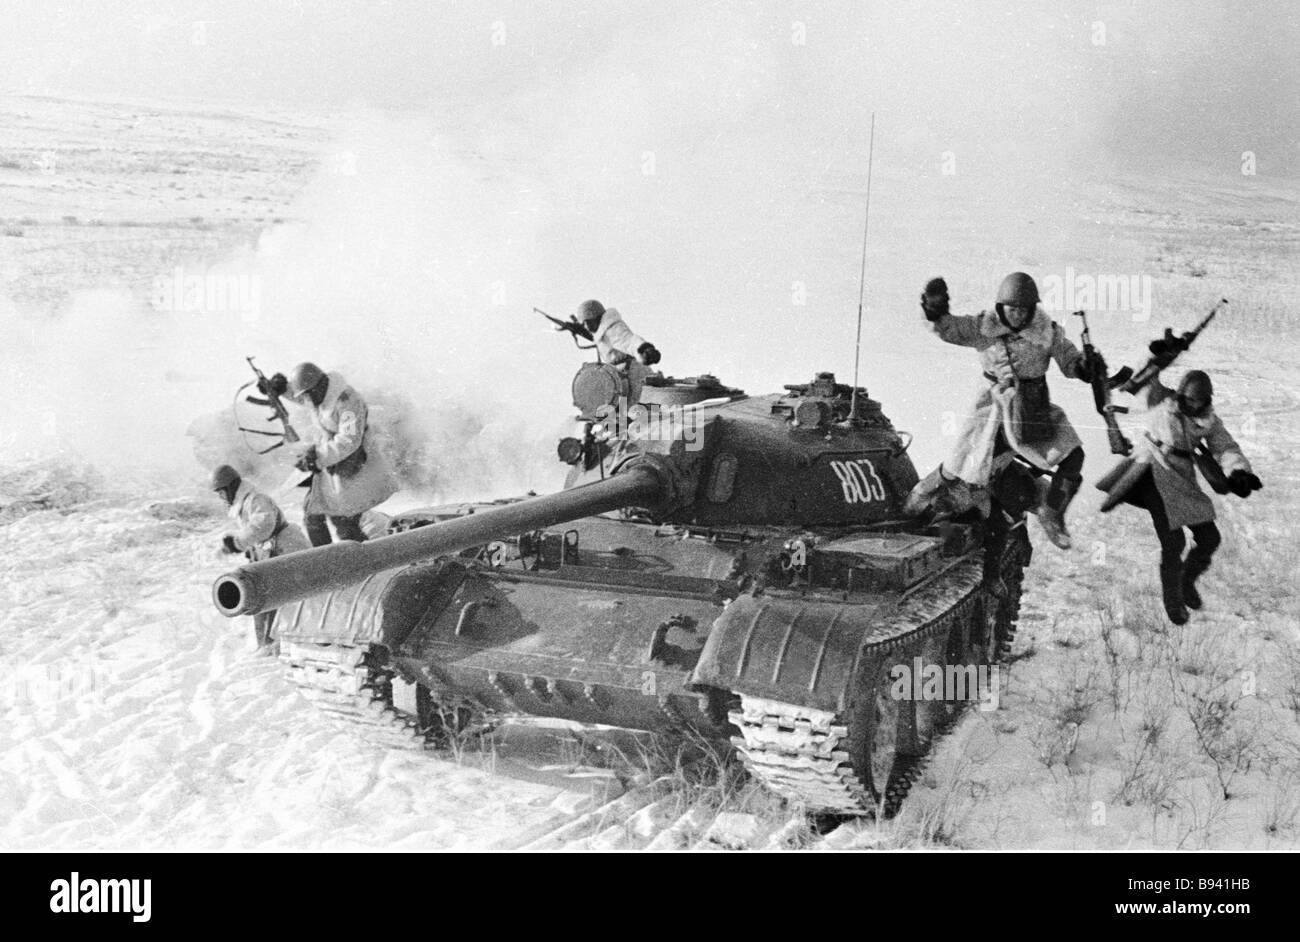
1193,81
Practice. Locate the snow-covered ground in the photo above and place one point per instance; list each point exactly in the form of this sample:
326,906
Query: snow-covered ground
134,716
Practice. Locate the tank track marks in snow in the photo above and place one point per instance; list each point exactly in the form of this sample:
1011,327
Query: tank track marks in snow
817,758
655,818
344,682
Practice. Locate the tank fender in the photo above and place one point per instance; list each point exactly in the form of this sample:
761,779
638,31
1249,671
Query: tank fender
384,608
798,650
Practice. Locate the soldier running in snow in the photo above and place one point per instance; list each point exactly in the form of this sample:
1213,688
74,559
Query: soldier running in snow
1016,342
1160,478
349,475
258,530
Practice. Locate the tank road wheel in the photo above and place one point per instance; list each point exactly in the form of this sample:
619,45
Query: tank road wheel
442,723
884,741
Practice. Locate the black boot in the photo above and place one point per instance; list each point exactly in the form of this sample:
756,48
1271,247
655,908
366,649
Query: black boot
1191,597
1198,560
263,633
349,528
1052,514
318,530
1171,585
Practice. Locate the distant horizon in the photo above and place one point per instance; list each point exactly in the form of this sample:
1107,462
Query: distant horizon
1075,80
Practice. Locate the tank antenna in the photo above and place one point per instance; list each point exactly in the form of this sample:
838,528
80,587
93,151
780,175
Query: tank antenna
862,281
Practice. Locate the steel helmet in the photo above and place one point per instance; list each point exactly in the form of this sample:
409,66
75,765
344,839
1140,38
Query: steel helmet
1195,385
1018,290
590,311
304,378
223,477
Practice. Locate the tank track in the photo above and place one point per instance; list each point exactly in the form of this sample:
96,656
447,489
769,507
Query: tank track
345,682
1014,560
801,753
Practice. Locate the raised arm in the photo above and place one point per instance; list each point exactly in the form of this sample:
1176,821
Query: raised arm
963,331
960,329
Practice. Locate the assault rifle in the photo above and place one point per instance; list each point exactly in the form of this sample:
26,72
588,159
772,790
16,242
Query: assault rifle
1163,353
573,327
1101,387
278,411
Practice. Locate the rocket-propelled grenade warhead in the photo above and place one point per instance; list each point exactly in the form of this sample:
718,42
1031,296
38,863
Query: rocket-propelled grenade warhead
269,584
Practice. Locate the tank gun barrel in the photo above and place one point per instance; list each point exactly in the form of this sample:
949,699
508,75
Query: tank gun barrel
269,584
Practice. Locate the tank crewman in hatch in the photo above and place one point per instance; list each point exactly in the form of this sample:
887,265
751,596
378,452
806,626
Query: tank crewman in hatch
349,475
257,529
1016,342
1160,478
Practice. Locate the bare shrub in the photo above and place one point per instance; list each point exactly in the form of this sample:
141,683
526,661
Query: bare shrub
1223,735
1147,774
1070,702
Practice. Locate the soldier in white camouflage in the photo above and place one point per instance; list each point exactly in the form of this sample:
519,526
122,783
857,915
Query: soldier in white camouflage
259,530
615,341
1160,477
1017,342
349,474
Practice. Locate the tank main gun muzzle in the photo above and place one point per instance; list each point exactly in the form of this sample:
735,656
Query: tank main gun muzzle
269,584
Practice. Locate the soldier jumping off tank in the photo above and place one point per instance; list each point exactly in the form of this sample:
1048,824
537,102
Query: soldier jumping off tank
1161,479
1016,343
615,341
349,475
259,531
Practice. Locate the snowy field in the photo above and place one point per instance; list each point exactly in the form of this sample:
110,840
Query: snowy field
408,252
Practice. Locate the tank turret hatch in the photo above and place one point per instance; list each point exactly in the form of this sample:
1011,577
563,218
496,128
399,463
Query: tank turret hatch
824,402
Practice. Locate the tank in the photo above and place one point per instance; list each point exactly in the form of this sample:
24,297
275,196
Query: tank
721,565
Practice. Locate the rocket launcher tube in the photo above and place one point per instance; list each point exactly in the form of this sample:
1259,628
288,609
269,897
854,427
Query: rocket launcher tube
272,583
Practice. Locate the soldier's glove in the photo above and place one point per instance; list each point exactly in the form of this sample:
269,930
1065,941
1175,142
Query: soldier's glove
1168,345
648,354
228,544
307,460
277,385
1242,483
934,300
